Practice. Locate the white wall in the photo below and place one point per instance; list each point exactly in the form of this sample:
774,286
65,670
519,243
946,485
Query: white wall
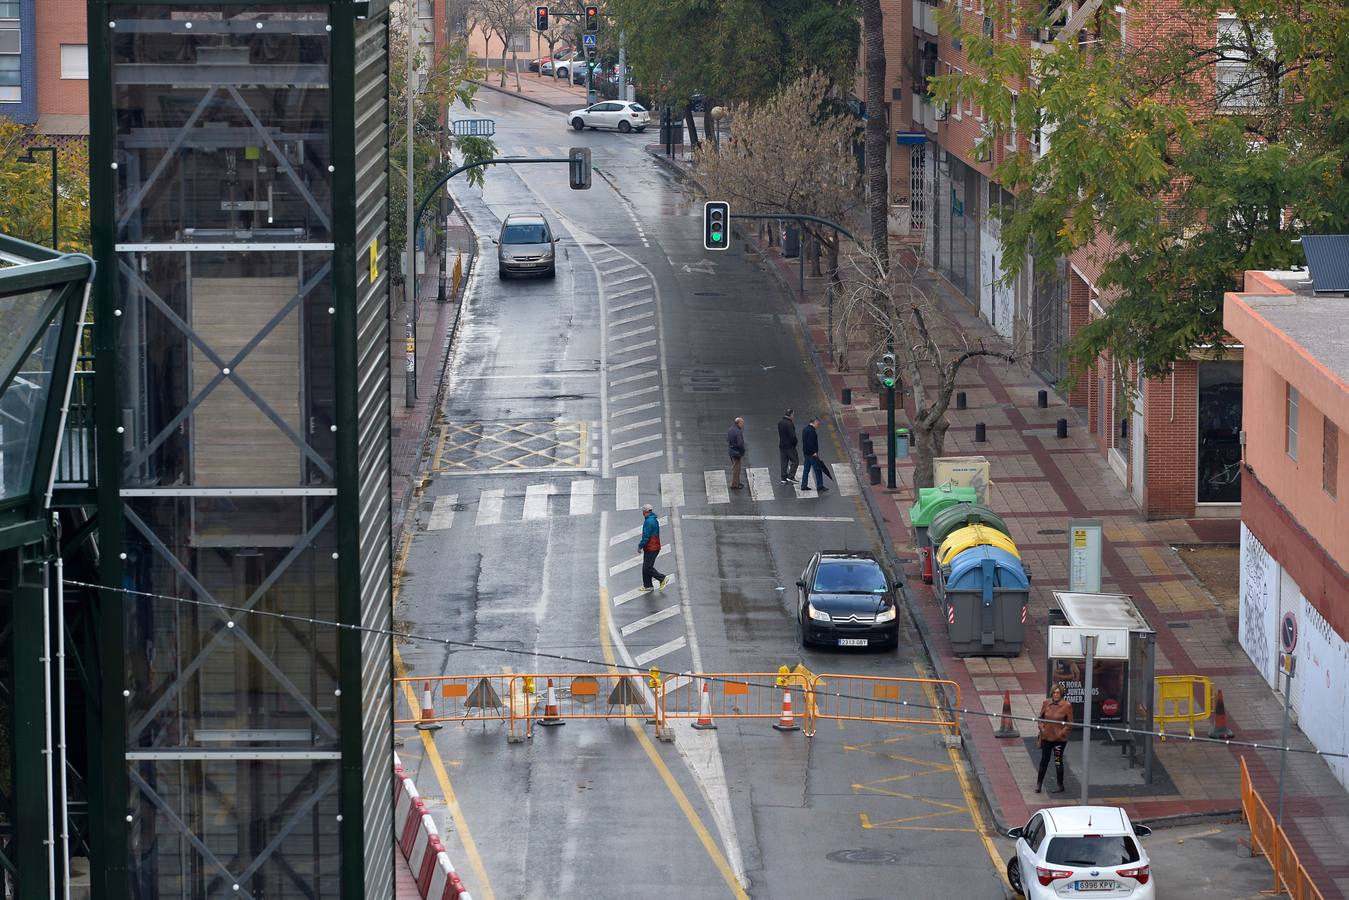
997,302
1258,617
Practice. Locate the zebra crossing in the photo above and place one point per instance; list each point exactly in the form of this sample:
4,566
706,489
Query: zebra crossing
586,497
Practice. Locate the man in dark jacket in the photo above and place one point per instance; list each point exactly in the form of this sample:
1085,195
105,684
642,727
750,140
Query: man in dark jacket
787,447
650,547
735,448
810,448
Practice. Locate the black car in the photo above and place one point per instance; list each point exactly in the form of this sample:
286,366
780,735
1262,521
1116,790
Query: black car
847,600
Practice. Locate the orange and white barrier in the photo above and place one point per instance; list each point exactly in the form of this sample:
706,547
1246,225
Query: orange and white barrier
786,721
420,843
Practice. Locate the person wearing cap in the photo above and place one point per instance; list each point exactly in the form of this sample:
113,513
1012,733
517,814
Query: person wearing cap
787,447
650,547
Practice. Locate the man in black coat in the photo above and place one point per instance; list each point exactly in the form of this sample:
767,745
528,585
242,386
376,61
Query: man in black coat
787,447
810,448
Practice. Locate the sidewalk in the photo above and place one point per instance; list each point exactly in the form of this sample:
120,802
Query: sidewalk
544,90
1039,483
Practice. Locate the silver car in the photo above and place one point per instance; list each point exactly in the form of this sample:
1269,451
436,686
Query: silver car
526,246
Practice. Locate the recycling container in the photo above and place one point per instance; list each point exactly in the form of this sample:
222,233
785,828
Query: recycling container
960,515
973,536
932,501
984,592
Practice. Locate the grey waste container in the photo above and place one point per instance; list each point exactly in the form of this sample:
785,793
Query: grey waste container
984,592
791,241
672,134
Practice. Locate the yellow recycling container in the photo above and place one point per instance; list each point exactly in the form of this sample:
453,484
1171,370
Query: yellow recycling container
973,536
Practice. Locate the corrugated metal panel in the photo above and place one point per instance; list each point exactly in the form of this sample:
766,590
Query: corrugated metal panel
1327,261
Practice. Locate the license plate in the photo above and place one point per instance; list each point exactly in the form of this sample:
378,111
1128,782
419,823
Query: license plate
852,642
1094,885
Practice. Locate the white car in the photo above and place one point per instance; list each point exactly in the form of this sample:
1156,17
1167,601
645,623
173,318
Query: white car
1080,851
561,61
624,115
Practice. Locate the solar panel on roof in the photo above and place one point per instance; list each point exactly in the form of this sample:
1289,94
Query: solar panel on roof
1327,261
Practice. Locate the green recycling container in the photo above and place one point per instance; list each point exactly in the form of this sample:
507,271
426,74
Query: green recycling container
952,517
935,499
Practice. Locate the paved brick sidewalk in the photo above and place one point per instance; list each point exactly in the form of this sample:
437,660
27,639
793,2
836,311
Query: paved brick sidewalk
543,90
1039,483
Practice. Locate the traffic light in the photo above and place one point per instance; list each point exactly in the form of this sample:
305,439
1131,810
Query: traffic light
716,225
590,56
885,370
579,168
541,18
592,19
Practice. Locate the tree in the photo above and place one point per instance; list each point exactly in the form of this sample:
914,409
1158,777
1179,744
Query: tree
877,133
448,81
504,19
1192,151
25,191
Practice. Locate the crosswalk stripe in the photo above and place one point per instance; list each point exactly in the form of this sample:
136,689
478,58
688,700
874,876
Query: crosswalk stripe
846,481
668,612
760,484
633,562
624,597
657,652
654,454
628,535
442,513
628,320
628,280
803,494
632,362
671,490
625,492
634,425
645,329
629,379
629,292
636,441
632,409
582,498
489,506
536,501
640,392
633,305
717,492
617,269
640,346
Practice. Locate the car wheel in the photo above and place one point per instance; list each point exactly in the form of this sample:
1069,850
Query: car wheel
1014,875
578,123
561,73
624,127
501,273
551,273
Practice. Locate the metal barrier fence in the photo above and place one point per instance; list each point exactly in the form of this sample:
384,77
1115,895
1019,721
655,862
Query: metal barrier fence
1267,837
553,699
734,695
456,698
1183,698
890,701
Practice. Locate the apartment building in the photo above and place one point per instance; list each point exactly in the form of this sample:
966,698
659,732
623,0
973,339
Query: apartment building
44,66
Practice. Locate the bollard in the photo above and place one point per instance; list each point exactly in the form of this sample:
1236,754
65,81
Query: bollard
870,459
874,473
960,399
980,433
863,438
868,448
1061,428
1043,399
847,396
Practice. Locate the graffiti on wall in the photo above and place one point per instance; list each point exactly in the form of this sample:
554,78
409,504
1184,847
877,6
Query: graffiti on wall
1259,602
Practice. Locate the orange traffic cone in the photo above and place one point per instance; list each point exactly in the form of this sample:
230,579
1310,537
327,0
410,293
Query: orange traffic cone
428,714
786,722
704,722
1005,728
1220,729
550,713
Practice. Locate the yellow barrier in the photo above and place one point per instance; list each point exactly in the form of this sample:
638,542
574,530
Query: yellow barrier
1290,877
1177,700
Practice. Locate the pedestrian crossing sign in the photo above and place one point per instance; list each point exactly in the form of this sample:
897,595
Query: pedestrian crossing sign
588,40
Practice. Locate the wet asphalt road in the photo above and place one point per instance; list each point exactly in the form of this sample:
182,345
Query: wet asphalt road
570,402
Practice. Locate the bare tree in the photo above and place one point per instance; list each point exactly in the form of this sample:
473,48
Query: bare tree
877,130
501,19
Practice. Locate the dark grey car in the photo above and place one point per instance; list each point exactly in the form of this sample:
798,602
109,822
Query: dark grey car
847,600
526,246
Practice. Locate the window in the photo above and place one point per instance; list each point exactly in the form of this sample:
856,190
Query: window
520,39
1330,459
1290,440
75,61
9,70
9,9
955,107
426,9
1238,83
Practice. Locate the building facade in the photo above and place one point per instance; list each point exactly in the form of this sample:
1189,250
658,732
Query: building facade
1294,520
44,66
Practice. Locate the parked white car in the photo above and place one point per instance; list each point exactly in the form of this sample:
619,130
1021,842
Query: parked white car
562,62
624,115
1080,851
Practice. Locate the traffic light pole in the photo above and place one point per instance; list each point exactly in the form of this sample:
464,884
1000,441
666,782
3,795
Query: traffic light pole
890,437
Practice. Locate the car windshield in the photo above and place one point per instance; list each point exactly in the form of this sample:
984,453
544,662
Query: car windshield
849,578
1097,850
524,234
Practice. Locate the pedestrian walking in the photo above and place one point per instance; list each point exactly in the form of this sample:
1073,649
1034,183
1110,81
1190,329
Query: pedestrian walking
735,448
810,449
1056,716
787,447
650,547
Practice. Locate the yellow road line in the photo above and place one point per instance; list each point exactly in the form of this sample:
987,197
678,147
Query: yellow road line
681,799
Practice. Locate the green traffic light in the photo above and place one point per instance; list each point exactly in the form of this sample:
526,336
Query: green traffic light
716,236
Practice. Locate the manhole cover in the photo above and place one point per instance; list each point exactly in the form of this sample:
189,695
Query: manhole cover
864,855
1052,531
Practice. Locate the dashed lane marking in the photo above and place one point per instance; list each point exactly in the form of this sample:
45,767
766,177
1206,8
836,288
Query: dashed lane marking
442,513
625,492
644,345
624,537
717,491
639,392
632,362
633,305
536,501
671,490
629,379
760,484
633,409
633,426
620,599
582,498
654,454
616,283
489,506
629,320
623,336
663,650
668,612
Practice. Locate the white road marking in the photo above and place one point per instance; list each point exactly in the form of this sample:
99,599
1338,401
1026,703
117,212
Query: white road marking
540,376
632,362
536,501
636,441
632,409
803,493
668,612
717,492
846,481
620,599
633,305
654,454
712,518
633,425
640,392
582,498
630,292
625,491
618,269
489,506
536,470
645,329
641,346
628,280
760,484
442,513
671,490
663,650
633,562
640,376
628,320
628,535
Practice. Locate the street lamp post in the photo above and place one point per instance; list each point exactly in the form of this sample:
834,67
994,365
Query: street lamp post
30,158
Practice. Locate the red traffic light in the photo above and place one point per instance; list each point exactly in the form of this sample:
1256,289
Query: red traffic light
592,18
541,18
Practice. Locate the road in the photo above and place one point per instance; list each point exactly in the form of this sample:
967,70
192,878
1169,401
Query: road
569,403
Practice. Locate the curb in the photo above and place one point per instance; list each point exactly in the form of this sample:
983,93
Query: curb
521,95
419,841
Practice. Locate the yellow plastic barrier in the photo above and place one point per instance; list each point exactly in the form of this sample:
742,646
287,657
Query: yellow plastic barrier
1290,876
974,536
1183,698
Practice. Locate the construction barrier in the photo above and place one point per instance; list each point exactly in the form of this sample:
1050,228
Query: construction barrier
1183,698
732,695
1290,877
890,701
455,698
554,699
420,843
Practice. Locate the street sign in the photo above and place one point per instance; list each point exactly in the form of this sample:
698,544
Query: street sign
910,137
1084,556
1288,633
588,40
474,127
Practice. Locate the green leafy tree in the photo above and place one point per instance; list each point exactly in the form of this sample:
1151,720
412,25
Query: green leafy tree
1182,156
25,190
